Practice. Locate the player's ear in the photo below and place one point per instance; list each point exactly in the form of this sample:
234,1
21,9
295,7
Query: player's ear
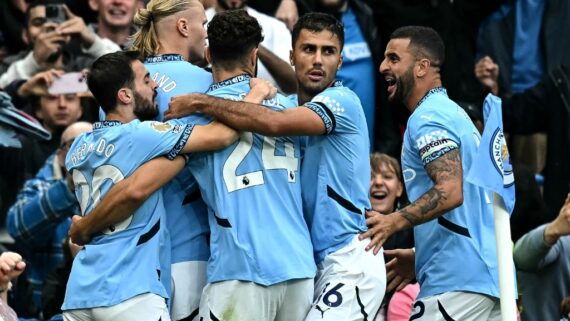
208,55
253,57
125,95
291,60
182,27
422,67
339,63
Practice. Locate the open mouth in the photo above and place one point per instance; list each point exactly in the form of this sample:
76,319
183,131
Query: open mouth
379,195
117,13
316,75
391,84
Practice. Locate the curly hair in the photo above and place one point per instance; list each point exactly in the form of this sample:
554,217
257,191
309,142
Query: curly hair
232,35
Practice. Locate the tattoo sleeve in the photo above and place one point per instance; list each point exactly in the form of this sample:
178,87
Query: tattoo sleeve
446,194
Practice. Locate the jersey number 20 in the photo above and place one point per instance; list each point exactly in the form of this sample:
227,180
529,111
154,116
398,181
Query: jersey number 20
93,190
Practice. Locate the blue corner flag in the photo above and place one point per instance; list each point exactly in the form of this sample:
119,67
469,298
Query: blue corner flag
492,168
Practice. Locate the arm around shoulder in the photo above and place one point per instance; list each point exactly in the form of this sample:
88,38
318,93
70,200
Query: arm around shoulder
210,137
295,121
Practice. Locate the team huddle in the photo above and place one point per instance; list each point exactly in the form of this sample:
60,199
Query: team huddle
209,196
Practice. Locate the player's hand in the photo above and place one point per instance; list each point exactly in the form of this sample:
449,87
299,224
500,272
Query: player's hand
561,224
75,25
380,227
183,105
260,90
48,44
77,235
38,85
487,72
11,266
400,270
288,13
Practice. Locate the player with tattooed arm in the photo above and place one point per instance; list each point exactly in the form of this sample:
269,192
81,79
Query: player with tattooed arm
453,225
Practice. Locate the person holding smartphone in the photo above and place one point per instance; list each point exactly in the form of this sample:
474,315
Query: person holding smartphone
48,38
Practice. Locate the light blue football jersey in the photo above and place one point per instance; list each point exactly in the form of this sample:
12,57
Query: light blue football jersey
175,76
253,189
123,261
336,171
187,218
455,252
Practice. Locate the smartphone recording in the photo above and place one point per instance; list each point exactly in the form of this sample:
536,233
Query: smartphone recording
55,13
69,83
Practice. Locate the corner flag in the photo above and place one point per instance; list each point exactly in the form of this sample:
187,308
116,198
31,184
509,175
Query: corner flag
492,168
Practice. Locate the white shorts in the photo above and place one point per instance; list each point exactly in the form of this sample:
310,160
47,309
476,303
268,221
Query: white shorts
457,306
350,284
239,300
188,282
143,307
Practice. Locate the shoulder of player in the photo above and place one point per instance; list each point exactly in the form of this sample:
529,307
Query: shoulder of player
285,102
338,97
434,111
179,67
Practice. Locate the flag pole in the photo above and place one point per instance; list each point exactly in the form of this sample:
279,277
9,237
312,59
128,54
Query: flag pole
505,259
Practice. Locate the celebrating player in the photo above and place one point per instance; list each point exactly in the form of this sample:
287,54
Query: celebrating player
128,253
456,263
335,173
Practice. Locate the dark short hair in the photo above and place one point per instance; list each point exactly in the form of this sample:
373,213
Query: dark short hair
108,74
424,41
317,22
232,35
32,5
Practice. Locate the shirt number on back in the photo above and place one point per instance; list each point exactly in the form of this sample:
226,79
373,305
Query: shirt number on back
92,190
288,162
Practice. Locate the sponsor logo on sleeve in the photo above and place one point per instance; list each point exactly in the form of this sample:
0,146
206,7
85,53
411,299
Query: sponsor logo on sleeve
160,127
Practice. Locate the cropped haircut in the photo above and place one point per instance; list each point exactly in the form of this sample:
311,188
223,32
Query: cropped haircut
317,22
145,40
232,35
108,74
424,42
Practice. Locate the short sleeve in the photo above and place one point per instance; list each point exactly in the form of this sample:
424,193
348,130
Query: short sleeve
339,109
162,138
431,138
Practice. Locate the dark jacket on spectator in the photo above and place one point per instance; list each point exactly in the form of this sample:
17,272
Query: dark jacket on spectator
545,107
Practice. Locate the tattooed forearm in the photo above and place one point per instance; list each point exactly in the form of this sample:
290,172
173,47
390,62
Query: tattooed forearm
425,208
431,199
411,218
445,168
446,194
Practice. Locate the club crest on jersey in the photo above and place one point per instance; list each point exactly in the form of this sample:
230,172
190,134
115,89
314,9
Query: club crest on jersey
160,127
501,158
